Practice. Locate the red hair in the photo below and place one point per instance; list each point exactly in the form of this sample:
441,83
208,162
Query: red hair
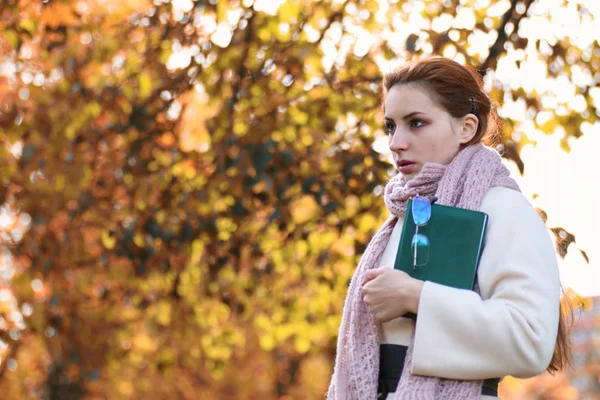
457,88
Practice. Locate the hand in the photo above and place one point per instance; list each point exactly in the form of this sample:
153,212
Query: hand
390,293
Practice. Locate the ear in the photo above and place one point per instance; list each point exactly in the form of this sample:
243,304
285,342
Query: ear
468,128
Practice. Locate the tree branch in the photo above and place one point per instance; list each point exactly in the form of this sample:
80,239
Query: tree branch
498,47
242,67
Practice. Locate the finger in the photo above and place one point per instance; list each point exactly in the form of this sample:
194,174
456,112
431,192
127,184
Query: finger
371,274
368,286
366,278
364,290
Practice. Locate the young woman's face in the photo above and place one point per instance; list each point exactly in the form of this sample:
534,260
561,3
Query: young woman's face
420,130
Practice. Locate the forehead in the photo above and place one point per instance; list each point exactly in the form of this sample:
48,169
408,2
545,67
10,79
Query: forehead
403,99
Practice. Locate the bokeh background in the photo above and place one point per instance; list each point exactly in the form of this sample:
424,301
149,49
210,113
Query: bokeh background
187,186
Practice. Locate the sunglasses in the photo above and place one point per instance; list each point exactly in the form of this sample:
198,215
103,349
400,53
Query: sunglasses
421,213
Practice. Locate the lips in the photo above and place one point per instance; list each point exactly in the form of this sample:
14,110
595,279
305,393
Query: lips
406,166
402,163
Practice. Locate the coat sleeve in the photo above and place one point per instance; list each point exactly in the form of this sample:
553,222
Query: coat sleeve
511,328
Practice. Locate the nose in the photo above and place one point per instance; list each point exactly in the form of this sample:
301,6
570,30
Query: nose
399,141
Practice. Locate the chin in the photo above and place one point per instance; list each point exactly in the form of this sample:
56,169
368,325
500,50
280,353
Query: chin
408,177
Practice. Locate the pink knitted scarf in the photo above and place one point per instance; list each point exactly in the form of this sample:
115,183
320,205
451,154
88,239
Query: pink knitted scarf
462,183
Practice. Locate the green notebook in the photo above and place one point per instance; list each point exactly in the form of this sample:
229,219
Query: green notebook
455,243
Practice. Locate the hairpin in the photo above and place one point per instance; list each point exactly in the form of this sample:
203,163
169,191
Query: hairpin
474,107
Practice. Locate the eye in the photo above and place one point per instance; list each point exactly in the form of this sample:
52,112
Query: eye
390,127
417,123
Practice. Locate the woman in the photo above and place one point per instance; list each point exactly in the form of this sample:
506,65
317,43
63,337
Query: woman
463,342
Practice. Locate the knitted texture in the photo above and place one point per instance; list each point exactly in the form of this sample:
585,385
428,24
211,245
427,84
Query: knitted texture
462,183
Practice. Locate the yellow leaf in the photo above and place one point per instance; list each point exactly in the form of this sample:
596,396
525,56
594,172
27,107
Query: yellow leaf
140,205
59,183
240,128
225,225
138,239
108,240
219,352
262,321
301,249
28,25
197,251
206,341
128,179
267,342
304,209
306,140
352,206
321,240
299,117
185,169
367,222
264,34
70,132
289,11
549,126
126,388
145,86
144,343
289,134
12,38
302,344
282,332
237,339
163,313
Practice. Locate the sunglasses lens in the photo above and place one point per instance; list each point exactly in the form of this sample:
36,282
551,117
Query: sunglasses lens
421,210
420,247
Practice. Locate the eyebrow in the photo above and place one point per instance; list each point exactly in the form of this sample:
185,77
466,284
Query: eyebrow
407,116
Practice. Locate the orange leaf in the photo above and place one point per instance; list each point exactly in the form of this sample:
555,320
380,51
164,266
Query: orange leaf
193,134
59,14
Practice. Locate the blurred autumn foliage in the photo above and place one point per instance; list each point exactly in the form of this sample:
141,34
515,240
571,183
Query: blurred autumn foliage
187,186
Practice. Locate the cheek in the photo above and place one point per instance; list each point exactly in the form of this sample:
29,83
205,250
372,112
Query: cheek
450,151
442,151
432,149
